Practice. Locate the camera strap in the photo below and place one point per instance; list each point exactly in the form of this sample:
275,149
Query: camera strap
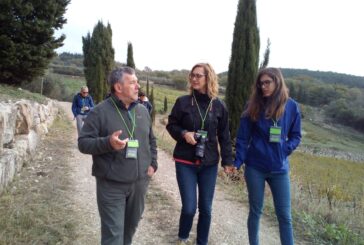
203,118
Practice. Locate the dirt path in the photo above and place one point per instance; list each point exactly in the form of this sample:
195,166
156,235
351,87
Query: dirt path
159,224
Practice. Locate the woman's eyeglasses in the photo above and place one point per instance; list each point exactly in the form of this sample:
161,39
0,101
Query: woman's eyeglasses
196,75
264,83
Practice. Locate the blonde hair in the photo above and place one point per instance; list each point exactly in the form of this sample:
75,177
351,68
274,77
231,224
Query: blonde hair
274,106
211,80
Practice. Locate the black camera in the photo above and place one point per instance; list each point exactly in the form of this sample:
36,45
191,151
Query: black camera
200,146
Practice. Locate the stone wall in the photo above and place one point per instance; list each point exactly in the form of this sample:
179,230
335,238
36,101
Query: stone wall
22,124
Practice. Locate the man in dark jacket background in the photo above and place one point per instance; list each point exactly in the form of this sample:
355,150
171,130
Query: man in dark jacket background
118,134
81,106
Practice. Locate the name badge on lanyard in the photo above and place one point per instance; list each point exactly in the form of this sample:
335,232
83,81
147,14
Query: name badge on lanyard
132,149
275,134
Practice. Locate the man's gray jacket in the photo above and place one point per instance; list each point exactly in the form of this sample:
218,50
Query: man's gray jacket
112,164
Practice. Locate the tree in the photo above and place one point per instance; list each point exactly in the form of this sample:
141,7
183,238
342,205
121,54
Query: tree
87,61
98,59
151,99
244,60
165,108
266,56
130,59
27,41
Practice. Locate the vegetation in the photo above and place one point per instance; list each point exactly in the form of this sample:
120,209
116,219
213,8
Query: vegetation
12,93
55,86
341,104
326,77
27,41
265,61
67,64
98,59
33,209
130,57
243,62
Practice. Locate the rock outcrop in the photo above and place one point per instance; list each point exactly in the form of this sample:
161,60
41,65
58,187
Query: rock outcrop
22,124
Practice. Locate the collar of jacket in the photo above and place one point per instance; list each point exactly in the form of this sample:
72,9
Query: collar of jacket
120,104
201,97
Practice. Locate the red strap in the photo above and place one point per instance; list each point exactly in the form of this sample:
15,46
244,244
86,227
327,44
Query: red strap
198,162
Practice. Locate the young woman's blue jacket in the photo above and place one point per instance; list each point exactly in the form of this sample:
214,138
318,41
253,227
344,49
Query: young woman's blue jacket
253,147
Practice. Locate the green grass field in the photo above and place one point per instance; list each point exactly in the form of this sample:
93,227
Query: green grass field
13,93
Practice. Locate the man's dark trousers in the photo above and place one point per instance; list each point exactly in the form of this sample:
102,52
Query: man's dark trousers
120,206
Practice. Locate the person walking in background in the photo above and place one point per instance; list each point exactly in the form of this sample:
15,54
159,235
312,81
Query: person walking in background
144,101
198,122
118,134
81,106
270,130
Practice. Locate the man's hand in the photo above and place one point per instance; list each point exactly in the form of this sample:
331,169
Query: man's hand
117,143
190,138
150,171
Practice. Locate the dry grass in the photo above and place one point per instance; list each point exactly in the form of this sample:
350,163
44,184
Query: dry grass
35,208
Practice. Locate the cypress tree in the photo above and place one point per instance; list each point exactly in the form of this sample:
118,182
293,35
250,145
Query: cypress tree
244,61
265,62
151,99
165,108
98,59
27,41
130,58
87,61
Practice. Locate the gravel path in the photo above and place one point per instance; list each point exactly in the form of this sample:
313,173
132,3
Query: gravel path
159,224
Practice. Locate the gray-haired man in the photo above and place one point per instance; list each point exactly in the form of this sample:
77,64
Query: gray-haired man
118,133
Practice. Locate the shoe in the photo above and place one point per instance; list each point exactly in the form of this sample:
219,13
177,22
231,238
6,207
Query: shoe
183,242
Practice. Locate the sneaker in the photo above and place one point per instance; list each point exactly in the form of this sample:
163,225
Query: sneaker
183,242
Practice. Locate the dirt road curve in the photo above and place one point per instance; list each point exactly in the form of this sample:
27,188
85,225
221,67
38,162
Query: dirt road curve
160,220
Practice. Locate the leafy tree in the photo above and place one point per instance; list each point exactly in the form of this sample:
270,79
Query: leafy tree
130,59
27,41
265,62
98,59
243,62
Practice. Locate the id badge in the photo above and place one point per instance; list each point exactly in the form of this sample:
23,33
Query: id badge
132,149
203,133
275,134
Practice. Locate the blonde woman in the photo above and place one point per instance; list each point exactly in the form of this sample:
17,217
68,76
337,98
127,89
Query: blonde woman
270,130
199,122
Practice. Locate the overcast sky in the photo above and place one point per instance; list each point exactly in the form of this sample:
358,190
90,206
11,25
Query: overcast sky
325,35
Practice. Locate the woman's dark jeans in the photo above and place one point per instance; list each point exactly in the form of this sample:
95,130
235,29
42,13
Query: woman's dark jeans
280,187
188,178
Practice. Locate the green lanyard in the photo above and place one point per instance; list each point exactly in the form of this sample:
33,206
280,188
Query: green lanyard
199,111
131,133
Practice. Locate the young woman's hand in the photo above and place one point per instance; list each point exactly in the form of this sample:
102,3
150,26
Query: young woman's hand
190,138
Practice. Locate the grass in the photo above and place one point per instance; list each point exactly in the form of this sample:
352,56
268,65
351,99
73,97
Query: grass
35,208
74,83
332,137
13,93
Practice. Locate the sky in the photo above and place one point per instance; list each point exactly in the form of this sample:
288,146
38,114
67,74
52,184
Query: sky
322,35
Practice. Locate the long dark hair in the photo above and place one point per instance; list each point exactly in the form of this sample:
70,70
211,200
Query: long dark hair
274,106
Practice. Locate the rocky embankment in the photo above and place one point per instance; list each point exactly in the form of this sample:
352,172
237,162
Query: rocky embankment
22,124
326,152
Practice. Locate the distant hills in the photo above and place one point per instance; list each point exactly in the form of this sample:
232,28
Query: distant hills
72,64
